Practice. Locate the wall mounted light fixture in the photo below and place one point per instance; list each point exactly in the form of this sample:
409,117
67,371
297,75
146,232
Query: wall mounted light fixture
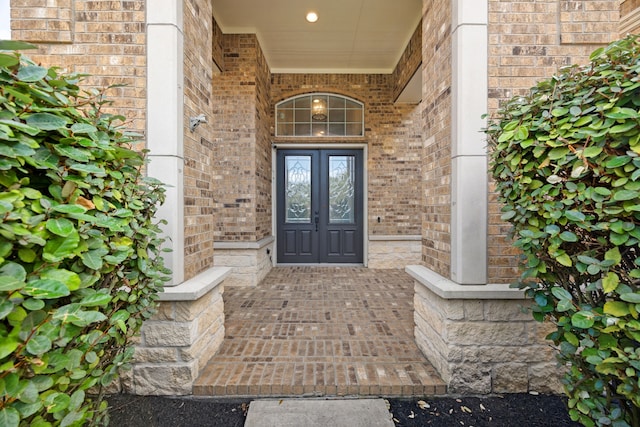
195,121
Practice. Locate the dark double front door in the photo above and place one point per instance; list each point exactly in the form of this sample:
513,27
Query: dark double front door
320,206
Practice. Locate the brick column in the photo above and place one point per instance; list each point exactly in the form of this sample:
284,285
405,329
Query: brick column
468,152
165,105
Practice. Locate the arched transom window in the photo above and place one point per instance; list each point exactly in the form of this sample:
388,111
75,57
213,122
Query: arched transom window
320,115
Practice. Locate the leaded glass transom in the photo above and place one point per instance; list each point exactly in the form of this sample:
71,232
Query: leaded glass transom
320,115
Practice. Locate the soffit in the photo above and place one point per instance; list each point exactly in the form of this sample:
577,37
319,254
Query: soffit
351,36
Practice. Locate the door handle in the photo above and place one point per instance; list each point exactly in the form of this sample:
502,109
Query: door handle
316,220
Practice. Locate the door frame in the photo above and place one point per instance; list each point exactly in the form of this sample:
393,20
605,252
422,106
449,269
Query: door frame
365,188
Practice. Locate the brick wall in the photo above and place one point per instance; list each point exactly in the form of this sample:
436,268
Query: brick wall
217,48
43,22
529,42
263,147
242,153
392,133
103,38
436,120
409,62
588,21
628,6
198,145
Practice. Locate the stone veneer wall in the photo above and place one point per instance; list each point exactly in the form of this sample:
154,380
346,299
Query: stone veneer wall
436,122
528,42
198,145
393,138
178,341
106,39
250,261
394,251
479,339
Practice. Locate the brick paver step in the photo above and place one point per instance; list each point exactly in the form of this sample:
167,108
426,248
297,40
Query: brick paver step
320,331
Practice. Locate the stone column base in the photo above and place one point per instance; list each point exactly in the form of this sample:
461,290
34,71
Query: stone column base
249,261
394,251
479,338
180,338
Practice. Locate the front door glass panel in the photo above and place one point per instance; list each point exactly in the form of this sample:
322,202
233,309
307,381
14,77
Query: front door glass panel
298,189
342,177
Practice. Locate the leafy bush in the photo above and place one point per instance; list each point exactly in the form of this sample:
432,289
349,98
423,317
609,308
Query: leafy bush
79,250
566,162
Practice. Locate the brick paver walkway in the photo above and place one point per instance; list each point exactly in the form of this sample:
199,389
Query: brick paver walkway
321,331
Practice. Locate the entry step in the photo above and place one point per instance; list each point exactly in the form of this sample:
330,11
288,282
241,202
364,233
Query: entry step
319,413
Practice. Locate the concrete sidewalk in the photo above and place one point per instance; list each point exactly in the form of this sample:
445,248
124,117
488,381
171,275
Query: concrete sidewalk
319,413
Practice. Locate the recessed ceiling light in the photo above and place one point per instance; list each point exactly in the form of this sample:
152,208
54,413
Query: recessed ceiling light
312,17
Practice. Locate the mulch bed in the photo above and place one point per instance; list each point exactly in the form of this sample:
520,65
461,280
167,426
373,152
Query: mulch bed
522,410
510,410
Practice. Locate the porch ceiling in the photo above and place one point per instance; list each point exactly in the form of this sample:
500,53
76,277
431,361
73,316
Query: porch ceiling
350,36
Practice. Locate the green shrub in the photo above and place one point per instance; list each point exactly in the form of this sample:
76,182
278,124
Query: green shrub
79,250
566,162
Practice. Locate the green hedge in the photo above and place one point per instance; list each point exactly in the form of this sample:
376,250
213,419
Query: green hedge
79,249
566,161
